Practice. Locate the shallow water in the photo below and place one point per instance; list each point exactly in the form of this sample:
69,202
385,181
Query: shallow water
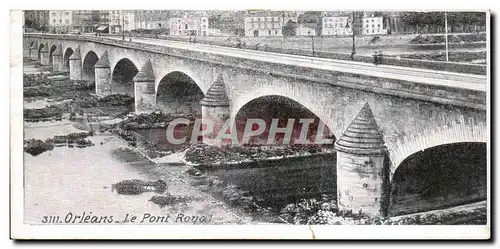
79,180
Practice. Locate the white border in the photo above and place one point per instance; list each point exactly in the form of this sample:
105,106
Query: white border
20,230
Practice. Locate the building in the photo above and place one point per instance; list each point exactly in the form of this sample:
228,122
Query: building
151,19
335,23
373,25
84,21
267,23
36,19
340,23
121,20
61,21
306,30
190,24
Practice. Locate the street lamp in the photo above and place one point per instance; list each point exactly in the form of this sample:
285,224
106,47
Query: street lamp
312,41
446,33
353,35
123,25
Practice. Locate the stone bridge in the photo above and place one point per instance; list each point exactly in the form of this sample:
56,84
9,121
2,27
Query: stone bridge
398,111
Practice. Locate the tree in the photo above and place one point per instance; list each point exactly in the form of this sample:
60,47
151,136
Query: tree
309,17
290,29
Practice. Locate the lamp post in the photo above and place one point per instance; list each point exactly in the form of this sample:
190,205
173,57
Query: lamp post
123,25
353,35
446,33
312,41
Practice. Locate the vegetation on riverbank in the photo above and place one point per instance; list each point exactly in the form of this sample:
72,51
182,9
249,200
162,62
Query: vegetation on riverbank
452,56
36,115
92,101
37,146
47,86
434,39
149,120
324,211
206,155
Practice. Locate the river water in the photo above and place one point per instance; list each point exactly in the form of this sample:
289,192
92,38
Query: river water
76,180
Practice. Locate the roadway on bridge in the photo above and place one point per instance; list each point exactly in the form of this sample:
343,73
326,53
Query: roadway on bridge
423,76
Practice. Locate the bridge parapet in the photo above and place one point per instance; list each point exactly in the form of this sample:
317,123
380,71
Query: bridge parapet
433,86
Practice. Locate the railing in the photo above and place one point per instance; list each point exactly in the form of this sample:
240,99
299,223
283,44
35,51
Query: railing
459,67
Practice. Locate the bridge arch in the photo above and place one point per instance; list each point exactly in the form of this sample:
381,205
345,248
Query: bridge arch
280,107
67,53
89,61
122,77
178,93
444,175
456,132
324,114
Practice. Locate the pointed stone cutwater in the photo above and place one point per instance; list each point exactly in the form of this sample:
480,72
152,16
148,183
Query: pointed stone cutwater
44,55
103,62
34,51
103,76
144,84
57,60
45,48
146,73
216,94
75,65
58,50
76,54
363,135
215,107
362,170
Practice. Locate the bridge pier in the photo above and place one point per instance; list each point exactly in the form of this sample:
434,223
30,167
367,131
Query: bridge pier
34,53
44,55
57,60
215,107
362,167
26,49
75,65
144,89
103,76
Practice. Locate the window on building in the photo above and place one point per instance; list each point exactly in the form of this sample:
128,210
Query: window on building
378,25
269,32
373,31
53,20
367,25
185,26
60,20
67,13
373,25
276,32
373,20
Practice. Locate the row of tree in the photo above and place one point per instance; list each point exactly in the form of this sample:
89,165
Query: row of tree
434,22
